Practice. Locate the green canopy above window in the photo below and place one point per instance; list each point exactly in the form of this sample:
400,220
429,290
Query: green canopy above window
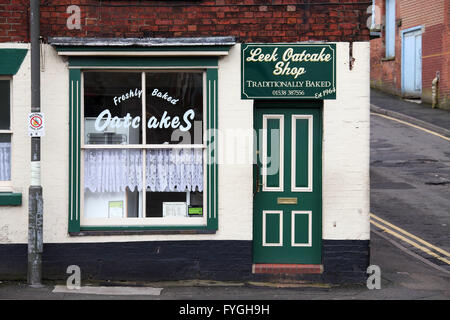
11,60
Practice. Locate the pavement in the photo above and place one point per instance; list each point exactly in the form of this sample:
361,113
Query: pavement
403,277
404,274
421,114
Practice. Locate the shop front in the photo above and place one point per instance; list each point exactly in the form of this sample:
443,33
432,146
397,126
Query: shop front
188,158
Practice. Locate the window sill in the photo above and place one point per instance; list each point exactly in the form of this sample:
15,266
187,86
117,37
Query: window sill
10,199
388,59
118,231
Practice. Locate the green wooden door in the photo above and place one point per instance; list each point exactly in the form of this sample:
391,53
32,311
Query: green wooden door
287,217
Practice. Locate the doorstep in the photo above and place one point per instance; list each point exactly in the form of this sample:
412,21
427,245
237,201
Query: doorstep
286,268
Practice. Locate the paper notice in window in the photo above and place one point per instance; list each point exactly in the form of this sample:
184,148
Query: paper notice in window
174,209
115,209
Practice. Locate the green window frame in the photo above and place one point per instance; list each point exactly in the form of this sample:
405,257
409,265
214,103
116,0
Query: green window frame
11,60
77,65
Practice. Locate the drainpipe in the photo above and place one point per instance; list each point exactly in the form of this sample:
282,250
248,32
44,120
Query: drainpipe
35,201
435,90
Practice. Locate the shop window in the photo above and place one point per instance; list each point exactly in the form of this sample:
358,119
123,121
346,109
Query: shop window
5,134
142,144
143,148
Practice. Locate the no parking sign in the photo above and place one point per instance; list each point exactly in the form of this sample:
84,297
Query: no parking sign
36,124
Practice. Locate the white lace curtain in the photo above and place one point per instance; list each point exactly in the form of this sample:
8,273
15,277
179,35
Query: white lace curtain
174,169
5,161
113,170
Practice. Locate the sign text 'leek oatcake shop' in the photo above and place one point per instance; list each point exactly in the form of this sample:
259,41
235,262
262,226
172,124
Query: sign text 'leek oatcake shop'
227,157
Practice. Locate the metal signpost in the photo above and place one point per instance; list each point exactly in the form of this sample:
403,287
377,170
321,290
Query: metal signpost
35,127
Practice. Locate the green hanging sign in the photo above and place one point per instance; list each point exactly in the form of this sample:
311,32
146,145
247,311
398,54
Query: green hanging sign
288,71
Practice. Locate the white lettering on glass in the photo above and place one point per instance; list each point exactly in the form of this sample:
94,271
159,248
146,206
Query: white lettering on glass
131,94
98,125
188,114
105,119
167,122
164,96
116,122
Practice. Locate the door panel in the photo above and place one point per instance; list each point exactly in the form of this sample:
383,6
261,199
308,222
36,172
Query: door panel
301,225
272,228
273,150
302,165
412,64
287,214
418,64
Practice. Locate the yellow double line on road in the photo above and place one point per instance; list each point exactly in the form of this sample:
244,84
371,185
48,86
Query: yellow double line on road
401,234
411,125
411,239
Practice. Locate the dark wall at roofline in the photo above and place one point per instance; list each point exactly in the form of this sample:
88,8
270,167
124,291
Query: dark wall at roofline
248,20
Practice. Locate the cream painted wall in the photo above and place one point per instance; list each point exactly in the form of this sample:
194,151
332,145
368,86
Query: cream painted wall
14,220
345,149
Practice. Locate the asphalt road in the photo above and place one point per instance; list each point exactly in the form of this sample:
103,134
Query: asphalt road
410,181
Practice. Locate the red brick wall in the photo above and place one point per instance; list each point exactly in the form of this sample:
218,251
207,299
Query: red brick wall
432,58
433,15
386,74
444,90
14,20
248,21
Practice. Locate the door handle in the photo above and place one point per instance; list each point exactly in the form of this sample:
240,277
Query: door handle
258,181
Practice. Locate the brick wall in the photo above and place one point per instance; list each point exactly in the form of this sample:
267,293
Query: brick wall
414,12
249,20
445,91
432,58
433,15
14,20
